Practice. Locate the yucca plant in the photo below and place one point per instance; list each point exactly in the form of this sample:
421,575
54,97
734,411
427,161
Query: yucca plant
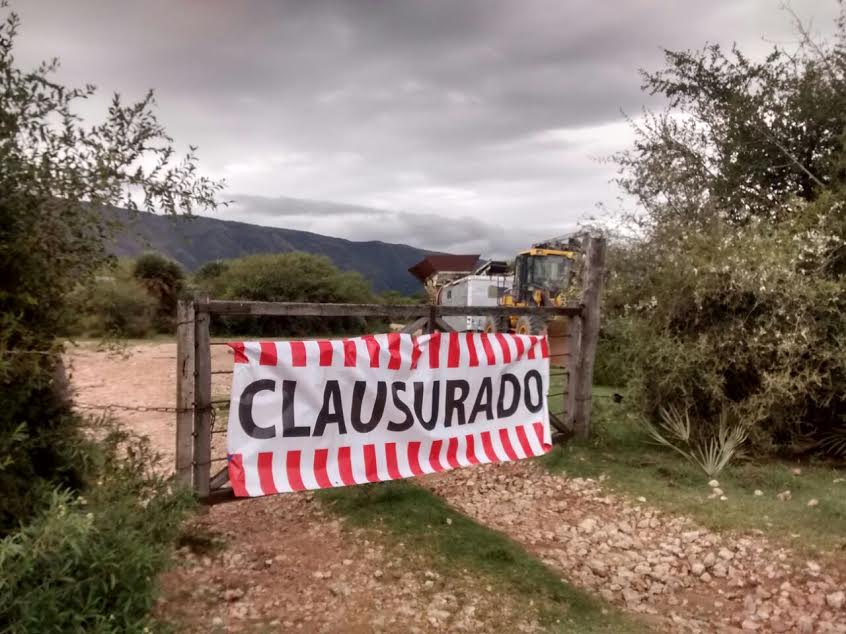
833,442
710,451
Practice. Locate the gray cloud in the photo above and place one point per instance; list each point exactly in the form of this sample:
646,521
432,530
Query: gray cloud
478,122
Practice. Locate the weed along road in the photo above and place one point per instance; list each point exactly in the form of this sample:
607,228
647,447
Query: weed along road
584,557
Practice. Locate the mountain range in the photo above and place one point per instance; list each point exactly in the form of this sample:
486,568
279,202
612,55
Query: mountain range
193,241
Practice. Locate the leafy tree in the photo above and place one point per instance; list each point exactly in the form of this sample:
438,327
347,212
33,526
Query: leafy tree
740,138
292,277
730,302
164,280
56,175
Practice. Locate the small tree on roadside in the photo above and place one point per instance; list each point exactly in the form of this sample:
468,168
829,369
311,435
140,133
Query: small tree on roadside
56,176
164,280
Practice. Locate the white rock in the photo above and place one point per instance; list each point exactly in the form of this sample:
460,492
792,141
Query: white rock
723,498
717,490
697,568
749,625
784,496
758,493
713,484
835,600
813,502
587,525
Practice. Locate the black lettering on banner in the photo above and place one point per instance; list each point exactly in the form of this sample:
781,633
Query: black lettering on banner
359,389
486,405
396,388
331,400
501,410
245,410
533,407
455,402
428,425
289,426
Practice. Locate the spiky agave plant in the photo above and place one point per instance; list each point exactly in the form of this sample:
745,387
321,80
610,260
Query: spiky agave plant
711,452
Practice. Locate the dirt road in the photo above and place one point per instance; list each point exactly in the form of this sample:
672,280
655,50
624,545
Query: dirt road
679,576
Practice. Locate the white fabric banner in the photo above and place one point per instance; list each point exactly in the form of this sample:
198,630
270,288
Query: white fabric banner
318,414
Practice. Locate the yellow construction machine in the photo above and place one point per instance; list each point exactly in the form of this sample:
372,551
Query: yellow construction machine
542,276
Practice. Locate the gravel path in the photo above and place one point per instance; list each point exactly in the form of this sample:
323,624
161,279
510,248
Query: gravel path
684,577
287,565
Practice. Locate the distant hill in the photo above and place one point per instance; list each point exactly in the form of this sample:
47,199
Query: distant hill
197,240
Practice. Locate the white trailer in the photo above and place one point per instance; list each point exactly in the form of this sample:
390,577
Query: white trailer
473,290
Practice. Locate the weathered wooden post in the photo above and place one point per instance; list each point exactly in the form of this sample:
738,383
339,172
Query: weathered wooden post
202,397
184,391
593,278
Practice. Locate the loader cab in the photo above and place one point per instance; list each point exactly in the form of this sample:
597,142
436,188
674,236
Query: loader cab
540,275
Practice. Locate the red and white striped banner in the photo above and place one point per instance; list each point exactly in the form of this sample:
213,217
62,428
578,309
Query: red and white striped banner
328,413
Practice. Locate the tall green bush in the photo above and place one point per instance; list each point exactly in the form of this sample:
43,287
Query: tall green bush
164,280
290,277
89,563
56,176
731,299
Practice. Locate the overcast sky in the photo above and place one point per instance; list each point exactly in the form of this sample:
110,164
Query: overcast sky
471,125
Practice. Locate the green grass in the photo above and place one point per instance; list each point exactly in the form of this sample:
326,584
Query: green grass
419,519
621,450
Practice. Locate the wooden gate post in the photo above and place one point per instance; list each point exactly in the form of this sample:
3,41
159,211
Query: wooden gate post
202,398
184,392
593,277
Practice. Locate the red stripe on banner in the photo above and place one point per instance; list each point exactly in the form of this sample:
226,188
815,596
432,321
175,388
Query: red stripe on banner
238,349
345,466
265,471
521,347
544,348
506,444
292,466
488,348
471,449
453,352
268,353
265,463
370,471
321,457
391,458
236,475
503,343
452,452
471,349
298,354
349,353
487,446
395,361
435,455
326,352
414,458
435,350
539,433
533,341
524,441
372,350
415,353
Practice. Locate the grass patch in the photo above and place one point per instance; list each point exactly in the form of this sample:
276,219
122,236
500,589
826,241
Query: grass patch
419,518
622,451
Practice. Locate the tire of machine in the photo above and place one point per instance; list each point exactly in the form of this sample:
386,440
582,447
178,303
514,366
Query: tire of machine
495,324
530,325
